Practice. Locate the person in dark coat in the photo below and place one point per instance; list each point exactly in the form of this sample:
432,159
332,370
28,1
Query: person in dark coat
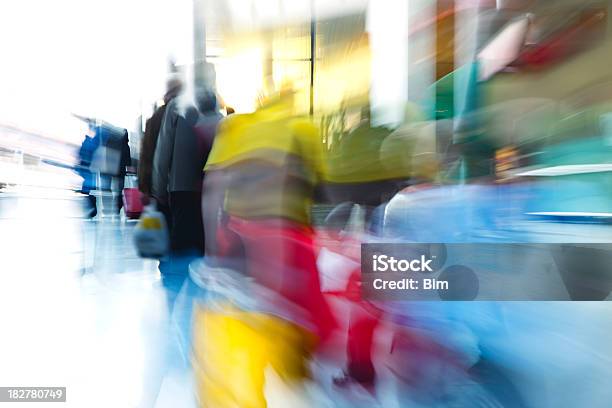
149,140
185,141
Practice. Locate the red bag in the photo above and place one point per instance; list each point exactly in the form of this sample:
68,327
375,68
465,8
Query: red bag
132,202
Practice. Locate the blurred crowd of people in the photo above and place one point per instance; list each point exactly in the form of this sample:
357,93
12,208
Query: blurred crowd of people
267,210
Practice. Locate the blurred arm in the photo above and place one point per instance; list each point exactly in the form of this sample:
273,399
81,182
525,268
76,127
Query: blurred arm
162,160
145,160
213,197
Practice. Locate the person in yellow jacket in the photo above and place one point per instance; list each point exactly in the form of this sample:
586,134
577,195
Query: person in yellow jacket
260,180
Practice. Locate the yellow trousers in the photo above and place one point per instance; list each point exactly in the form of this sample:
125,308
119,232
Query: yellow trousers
233,348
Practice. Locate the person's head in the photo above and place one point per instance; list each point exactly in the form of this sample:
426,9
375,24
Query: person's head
91,129
174,86
206,100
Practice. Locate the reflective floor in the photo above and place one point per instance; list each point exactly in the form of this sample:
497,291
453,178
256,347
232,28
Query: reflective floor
80,309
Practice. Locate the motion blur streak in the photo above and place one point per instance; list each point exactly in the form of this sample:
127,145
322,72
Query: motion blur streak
315,126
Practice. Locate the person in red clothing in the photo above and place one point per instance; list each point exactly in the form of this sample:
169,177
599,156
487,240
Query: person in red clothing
259,186
263,171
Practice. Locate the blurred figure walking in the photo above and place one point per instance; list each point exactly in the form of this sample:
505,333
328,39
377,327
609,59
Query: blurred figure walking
104,156
258,192
124,162
110,161
185,139
85,155
153,125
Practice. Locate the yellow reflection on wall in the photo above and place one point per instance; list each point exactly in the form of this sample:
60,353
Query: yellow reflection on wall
343,78
240,77
262,61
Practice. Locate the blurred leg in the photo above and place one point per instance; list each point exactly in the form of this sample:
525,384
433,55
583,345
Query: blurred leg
119,182
359,348
234,348
187,233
